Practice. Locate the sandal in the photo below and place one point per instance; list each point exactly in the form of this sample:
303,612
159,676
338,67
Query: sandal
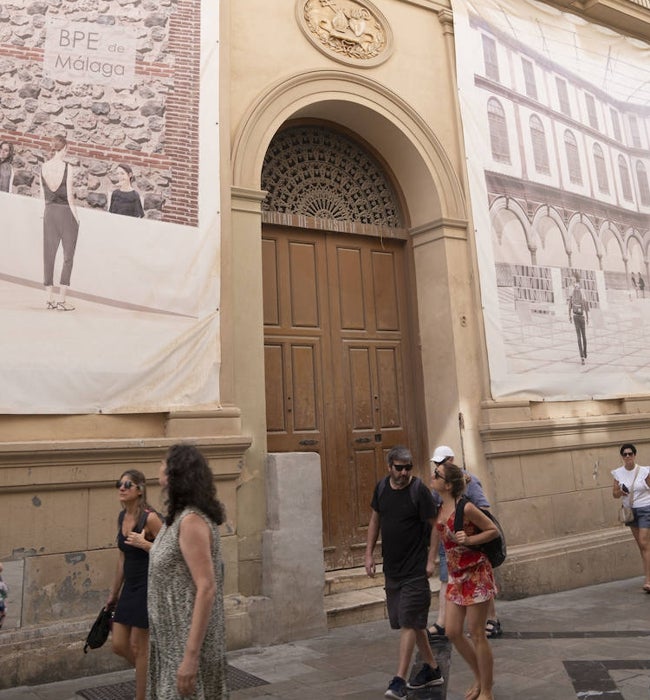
50,305
438,633
64,306
646,588
493,629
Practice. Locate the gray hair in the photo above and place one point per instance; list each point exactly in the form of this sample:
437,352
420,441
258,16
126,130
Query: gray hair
399,453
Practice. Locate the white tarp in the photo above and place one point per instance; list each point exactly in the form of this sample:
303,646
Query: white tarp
556,117
144,335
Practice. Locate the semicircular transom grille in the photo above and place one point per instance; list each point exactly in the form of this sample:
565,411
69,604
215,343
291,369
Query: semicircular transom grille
314,171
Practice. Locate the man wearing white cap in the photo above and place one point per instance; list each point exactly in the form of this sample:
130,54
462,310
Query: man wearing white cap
474,493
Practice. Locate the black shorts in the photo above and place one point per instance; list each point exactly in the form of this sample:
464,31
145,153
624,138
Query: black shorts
408,603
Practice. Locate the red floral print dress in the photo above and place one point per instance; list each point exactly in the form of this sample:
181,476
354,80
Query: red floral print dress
471,579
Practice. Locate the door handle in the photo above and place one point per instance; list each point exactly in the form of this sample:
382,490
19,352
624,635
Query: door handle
308,442
362,440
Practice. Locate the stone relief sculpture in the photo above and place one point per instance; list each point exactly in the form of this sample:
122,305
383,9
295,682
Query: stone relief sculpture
350,31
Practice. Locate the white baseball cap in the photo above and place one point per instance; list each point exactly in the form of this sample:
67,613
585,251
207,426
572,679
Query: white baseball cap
441,453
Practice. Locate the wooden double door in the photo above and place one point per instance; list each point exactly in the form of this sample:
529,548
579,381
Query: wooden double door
337,365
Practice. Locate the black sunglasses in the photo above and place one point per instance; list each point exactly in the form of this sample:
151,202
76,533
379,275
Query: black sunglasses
627,454
438,475
127,484
402,467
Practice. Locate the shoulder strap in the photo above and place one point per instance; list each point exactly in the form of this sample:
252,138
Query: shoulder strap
413,488
142,521
636,473
381,486
458,516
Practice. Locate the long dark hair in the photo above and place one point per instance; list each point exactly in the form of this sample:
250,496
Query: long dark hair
190,482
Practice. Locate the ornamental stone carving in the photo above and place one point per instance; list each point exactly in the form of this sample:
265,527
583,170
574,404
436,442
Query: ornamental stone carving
349,31
314,171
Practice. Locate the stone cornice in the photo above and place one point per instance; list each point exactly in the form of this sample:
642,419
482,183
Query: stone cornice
558,435
83,464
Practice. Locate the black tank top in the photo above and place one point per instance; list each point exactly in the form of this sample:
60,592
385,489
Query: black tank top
60,194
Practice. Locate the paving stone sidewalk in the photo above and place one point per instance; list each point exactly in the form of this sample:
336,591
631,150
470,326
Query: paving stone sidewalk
589,642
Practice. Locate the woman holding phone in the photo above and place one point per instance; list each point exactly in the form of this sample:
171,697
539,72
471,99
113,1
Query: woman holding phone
632,484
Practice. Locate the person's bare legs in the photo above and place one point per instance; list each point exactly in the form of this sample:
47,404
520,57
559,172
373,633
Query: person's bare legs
121,642
422,640
642,537
406,646
442,605
476,618
455,616
477,652
140,649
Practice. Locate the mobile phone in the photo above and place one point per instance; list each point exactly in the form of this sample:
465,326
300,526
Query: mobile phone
624,488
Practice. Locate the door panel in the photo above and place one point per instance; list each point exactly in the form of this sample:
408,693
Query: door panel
386,304
336,382
303,287
305,382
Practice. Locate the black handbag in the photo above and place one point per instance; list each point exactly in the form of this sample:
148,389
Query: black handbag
100,630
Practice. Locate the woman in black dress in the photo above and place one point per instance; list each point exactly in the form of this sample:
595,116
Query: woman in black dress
125,200
138,525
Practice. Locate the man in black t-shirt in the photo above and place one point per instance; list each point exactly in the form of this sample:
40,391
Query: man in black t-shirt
404,512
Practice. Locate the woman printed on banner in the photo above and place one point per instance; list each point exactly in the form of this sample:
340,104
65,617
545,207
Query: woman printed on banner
125,199
6,166
60,222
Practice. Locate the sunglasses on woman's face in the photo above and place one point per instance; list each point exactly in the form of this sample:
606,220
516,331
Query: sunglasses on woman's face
126,484
438,475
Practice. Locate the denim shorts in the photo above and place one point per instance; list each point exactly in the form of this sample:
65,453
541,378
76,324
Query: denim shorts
641,517
442,556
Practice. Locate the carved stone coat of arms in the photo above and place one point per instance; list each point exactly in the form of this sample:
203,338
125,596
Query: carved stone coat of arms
351,31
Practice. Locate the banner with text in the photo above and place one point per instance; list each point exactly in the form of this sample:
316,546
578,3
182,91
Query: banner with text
109,182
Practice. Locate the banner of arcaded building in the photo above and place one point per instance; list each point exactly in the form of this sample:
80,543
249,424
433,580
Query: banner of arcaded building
556,115
109,200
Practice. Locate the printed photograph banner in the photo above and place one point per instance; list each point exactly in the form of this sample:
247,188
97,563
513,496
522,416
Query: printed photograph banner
556,117
110,212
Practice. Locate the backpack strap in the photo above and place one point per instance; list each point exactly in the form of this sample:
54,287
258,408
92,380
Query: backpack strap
413,488
381,486
459,514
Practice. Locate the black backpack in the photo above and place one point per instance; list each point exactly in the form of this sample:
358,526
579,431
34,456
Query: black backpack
494,550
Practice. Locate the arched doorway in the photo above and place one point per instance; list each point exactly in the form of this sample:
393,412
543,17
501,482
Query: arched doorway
338,352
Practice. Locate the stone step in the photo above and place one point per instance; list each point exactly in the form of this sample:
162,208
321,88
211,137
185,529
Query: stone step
355,607
365,605
342,580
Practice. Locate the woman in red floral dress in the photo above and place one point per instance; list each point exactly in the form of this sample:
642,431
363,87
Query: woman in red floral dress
471,580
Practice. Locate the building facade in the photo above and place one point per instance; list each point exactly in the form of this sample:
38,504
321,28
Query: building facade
350,314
